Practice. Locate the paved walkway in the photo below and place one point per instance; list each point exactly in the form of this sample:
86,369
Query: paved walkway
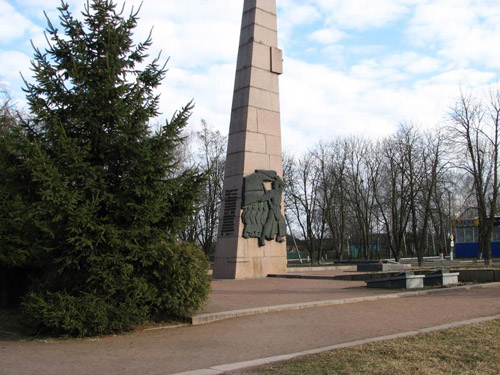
189,348
243,294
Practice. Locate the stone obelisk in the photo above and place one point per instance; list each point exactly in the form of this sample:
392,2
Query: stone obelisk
254,145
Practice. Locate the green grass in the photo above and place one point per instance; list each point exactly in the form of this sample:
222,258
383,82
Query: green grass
472,349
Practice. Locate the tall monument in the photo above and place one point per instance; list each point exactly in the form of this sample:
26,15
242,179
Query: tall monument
251,239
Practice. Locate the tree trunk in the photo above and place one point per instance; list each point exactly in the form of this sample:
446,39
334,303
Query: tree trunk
4,298
420,258
486,245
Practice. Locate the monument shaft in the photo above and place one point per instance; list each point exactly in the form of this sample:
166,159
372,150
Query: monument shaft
254,144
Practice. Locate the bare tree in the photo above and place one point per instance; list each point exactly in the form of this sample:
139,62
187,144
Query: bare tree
424,170
304,205
448,200
332,161
361,173
210,159
475,128
391,194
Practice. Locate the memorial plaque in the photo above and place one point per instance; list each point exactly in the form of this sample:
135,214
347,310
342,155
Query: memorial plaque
230,203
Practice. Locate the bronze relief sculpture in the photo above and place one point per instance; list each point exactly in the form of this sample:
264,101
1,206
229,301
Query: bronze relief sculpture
262,215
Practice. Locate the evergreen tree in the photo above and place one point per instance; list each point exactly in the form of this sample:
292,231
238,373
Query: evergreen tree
109,201
15,213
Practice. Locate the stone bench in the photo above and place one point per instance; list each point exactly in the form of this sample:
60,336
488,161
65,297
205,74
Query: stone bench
441,277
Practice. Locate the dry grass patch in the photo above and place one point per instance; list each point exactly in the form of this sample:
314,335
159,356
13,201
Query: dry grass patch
472,349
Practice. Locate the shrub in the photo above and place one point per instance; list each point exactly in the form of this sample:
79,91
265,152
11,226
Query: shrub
174,284
181,281
84,315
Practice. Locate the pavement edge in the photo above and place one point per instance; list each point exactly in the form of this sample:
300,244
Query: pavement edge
222,369
218,316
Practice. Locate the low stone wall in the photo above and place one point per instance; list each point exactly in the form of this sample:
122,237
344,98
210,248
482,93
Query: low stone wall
465,275
319,269
478,275
365,276
377,267
405,280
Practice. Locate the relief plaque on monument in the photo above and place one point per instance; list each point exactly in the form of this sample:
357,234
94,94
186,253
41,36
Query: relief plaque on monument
262,217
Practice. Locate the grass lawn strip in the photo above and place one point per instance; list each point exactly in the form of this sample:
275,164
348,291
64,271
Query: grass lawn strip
471,349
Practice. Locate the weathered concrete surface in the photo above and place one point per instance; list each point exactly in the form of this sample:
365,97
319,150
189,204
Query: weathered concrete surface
243,339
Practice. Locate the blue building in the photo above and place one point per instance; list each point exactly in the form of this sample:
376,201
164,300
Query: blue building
466,233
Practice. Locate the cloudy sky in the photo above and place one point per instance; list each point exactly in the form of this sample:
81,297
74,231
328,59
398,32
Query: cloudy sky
355,67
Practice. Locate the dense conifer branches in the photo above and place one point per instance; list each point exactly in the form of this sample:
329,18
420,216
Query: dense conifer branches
108,198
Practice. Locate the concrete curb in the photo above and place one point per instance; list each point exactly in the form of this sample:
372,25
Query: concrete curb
300,276
321,268
217,316
218,370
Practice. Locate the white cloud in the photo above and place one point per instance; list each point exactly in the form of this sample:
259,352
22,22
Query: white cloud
35,9
329,103
403,65
12,63
352,88
424,65
380,71
464,77
464,32
327,36
194,33
442,20
43,4
366,49
292,15
13,25
200,36
324,104
297,13
211,92
363,14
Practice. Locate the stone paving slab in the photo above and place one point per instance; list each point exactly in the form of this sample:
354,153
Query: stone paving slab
191,348
205,318
229,295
